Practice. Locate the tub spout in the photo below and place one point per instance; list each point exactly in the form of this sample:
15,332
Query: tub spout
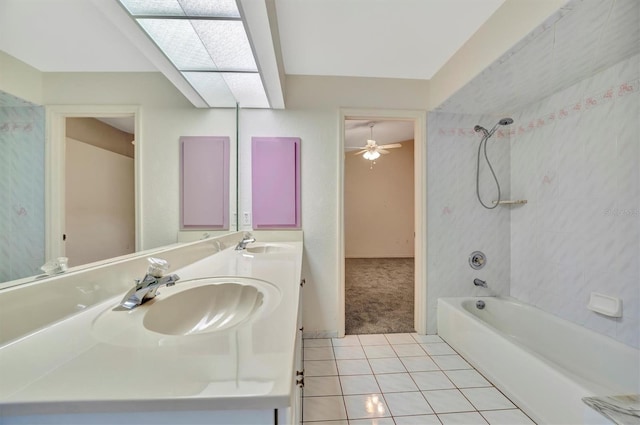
479,282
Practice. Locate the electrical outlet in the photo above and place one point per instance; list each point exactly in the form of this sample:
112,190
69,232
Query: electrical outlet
246,218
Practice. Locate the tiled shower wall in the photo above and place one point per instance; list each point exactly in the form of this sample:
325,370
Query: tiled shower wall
457,223
576,157
21,189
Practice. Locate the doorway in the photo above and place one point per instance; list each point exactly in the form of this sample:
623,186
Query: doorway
69,157
379,226
417,240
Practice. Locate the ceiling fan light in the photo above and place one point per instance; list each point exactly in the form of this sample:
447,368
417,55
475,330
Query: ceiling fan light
371,155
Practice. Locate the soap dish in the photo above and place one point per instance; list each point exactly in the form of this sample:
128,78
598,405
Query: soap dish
604,304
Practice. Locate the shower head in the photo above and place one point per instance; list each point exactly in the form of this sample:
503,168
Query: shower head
487,134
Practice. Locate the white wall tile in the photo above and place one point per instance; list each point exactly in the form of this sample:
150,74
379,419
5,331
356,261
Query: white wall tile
581,231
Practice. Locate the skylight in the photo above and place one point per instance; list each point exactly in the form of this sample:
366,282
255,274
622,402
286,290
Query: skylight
206,42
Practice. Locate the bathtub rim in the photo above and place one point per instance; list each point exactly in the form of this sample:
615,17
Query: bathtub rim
528,371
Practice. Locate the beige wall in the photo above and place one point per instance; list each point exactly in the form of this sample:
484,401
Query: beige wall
378,205
100,135
20,79
99,204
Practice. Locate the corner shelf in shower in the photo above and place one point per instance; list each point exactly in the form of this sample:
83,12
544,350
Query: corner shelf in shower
514,202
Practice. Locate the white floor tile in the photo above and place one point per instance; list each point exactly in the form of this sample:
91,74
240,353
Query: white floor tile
507,417
321,385
374,421
387,365
487,398
347,340
349,352
438,349
396,382
320,342
323,408
379,351
470,418
434,380
340,422
423,339
417,420
320,368
366,406
373,339
408,350
419,364
448,401
451,362
467,378
400,339
359,384
354,367
407,403
318,353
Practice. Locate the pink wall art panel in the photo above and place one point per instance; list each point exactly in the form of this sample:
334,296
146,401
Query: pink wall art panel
275,168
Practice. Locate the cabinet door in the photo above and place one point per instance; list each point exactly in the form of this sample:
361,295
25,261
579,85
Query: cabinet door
204,171
275,179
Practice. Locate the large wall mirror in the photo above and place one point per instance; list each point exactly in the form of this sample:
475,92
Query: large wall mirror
70,185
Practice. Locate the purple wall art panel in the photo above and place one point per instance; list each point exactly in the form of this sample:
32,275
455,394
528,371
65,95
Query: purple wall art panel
204,171
275,171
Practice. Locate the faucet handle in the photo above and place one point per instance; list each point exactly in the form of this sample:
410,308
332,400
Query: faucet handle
157,266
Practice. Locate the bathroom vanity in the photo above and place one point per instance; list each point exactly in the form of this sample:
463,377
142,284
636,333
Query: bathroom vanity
221,346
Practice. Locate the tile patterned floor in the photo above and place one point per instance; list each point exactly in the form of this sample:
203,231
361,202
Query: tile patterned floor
398,379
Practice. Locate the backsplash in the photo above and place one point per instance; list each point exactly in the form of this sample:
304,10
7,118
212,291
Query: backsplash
21,188
575,159
457,223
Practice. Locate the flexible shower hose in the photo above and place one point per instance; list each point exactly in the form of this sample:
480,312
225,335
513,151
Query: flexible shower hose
484,141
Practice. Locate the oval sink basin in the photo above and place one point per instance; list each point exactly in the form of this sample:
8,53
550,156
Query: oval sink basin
267,248
206,308
191,308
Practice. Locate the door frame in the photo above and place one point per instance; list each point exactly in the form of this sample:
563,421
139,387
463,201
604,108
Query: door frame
55,163
419,119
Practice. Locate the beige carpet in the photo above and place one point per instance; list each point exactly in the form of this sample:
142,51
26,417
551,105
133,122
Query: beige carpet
379,295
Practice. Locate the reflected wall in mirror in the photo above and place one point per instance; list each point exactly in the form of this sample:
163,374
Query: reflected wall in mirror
99,188
22,187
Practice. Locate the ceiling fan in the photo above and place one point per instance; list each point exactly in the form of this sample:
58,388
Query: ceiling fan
372,150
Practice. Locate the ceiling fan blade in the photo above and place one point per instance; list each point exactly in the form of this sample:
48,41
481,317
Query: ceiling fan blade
382,151
391,146
360,152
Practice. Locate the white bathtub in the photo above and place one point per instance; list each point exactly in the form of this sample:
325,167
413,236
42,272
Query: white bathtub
543,363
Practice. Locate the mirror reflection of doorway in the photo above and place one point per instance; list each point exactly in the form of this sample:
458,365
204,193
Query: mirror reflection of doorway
99,188
379,226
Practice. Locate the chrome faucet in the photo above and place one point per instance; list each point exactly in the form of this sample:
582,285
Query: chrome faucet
479,282
147,287
246,240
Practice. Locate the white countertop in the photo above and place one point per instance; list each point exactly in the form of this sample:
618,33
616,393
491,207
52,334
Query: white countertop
74,366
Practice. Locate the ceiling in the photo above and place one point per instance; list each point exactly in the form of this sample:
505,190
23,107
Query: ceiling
357,38
376,38
357,132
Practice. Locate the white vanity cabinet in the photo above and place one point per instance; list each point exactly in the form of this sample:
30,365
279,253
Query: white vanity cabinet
103,367
293,414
